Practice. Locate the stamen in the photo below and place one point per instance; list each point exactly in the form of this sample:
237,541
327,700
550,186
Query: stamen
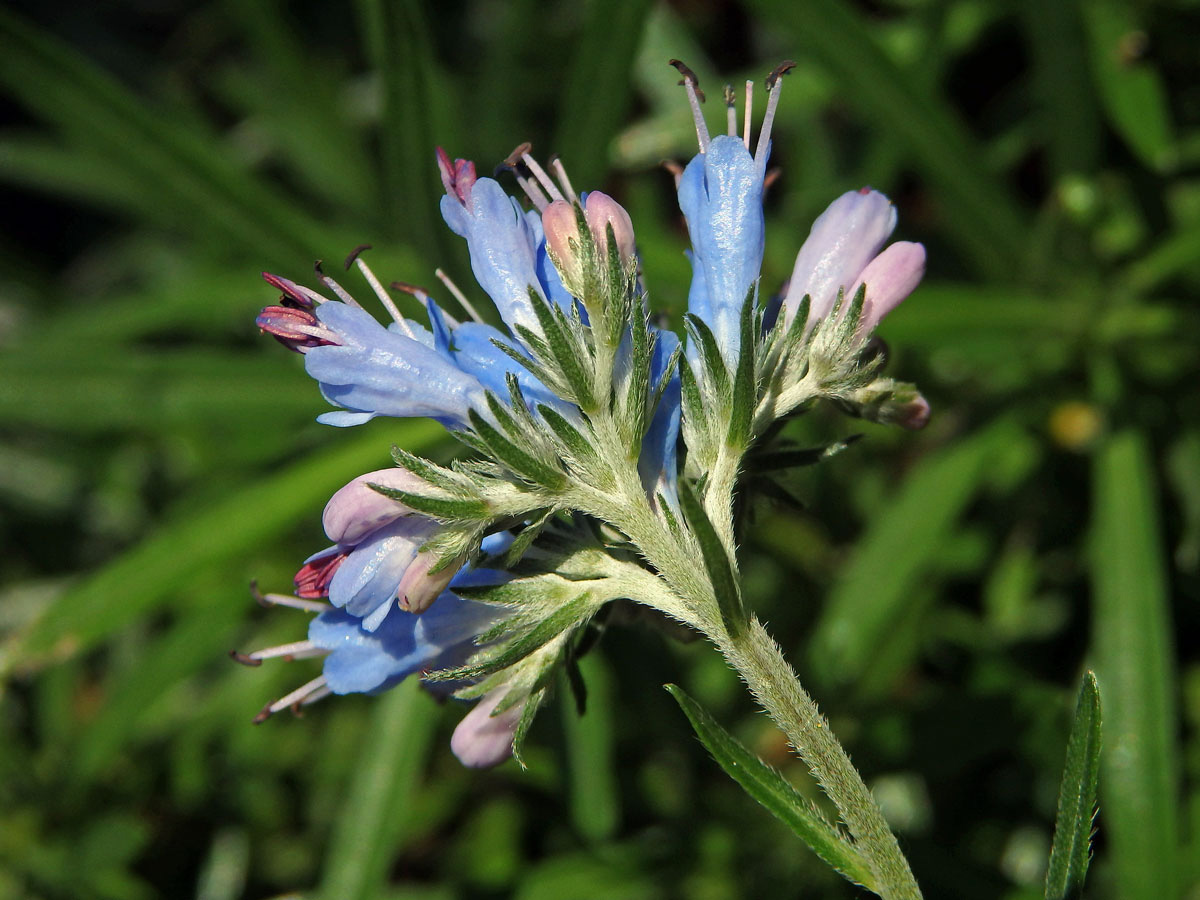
775,87
299,695
771,177
560,172
730,111
393,311
695,98
319,694
515,164
287,600
296,650
746,113
674,168
540,174
341,292
459,296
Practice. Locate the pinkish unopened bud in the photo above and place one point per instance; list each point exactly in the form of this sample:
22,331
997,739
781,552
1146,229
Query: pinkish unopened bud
419,587
482,740
297,329
358,509
601,211
317,572
457,177
890,277
561,226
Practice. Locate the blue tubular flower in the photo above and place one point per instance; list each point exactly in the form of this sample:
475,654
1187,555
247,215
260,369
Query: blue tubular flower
369,661
720,194
503,247
372,371
658,462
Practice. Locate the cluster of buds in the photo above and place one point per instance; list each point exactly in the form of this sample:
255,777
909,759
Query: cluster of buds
606,450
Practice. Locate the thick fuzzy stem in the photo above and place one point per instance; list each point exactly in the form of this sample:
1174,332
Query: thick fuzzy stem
761,664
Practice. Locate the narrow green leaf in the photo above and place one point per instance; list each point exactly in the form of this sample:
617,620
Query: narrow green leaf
574,441
982,216
710,354
876,590
226,530
518,459
1071,852
569,615
770,789
594,793
1135,669
1131,89
439,507
368,830
598,85
745,392
716,561
565,353
429,472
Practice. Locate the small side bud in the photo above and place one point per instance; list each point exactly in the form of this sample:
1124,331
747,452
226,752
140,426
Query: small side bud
419,587
483,740
602,211
358,509
566,245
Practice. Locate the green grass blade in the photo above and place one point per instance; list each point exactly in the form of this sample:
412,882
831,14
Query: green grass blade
874,595
981,215
594,791
598,87
186,171
379,798
770,789
1131,90
231,527
1135,668
1071,852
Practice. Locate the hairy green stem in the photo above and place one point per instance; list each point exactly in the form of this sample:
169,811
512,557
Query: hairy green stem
761,664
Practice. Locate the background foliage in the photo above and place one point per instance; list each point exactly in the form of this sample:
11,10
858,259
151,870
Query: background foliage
940,593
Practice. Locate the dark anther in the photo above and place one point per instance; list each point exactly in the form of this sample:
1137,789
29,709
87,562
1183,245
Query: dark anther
263,714
672,166
778,72
257,595
244,659
317,268
772,176
354,255
405,288
730,96
514,159
296,710
688,75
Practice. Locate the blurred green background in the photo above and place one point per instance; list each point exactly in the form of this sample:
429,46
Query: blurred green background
940,593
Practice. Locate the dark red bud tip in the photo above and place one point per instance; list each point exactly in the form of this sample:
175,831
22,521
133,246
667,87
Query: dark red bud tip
312,581
866,189
296,329
291,291
244,659
457,177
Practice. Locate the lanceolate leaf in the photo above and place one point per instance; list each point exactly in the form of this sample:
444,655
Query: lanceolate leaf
770,789
716,561
1071,852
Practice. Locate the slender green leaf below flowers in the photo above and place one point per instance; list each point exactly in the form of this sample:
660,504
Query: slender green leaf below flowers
142,578
1134,664
1071,851
716,560
770,789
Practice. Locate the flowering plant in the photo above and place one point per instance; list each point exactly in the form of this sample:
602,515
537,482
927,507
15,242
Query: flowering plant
607,452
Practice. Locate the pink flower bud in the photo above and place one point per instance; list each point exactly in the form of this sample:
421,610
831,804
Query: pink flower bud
419,587
482,740
358,509
890,277
317,572
561,228
601,211
297,329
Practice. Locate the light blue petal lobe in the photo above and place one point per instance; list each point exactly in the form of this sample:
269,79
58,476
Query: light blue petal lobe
658,462
370,575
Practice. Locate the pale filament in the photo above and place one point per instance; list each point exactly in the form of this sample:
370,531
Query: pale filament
560,172
540,174
387,302
746,113
458,295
